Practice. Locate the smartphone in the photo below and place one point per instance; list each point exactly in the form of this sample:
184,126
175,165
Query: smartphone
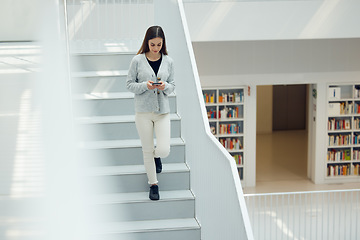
156,83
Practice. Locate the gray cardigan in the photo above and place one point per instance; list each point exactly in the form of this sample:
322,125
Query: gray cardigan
140,72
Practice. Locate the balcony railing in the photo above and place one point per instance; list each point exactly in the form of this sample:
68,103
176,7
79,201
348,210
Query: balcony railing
330,215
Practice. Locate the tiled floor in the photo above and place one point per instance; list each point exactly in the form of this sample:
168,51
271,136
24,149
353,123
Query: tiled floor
281,165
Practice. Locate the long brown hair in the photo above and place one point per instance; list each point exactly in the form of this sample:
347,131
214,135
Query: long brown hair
151,33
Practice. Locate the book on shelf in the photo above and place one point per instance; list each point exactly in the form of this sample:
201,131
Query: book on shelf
334,93
339,124
231,143
356,139
356,108
233,128
209,98
238,159
213,130
211,113
339,155
357,123
356,154
356,92
235,97
356,169
229,112
339,140
341,170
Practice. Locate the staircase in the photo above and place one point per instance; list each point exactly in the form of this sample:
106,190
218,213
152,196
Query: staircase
120,205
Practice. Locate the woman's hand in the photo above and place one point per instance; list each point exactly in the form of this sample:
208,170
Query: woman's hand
162,86
150,86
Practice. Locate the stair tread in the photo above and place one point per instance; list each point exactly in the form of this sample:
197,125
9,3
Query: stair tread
107,95
116,119
108,73
133,169
153,225
127,143
140,197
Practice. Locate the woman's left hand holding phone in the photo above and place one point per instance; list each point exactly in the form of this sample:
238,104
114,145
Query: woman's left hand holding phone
150,85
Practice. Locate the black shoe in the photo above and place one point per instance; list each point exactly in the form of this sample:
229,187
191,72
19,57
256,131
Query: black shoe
158,165
154,192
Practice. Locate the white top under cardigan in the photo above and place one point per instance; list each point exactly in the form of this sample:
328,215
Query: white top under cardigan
140,73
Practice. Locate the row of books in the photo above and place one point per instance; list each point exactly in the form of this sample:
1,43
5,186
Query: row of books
356,108
229,112
343,155
343,170
338,124
238,159
356,123
209,98
225,113
235,97
339,140
356,139
231,143
346,108
211,113
340,108
339,155
356,154
233,128
356,92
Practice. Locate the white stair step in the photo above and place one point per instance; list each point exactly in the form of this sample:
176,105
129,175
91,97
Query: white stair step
145,226
107,95
89,74
128,143
134,169
140,197
103,96
115,119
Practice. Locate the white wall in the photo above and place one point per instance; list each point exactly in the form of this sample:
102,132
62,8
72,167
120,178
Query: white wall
264,109
19,20
266,20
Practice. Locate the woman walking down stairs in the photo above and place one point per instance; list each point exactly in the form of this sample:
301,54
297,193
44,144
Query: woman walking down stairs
120,204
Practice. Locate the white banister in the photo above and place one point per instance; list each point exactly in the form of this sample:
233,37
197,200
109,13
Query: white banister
220,204
305,215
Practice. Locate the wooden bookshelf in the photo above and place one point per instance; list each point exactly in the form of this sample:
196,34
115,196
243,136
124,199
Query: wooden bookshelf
343,132
225,108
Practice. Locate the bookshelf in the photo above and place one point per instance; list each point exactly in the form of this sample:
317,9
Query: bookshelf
343,132
225,109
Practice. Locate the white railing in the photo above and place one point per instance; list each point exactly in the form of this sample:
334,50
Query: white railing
220,206
330,215
108,25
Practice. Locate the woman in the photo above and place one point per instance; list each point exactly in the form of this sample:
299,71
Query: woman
151,78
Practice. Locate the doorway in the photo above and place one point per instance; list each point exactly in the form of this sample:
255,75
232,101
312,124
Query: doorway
282,135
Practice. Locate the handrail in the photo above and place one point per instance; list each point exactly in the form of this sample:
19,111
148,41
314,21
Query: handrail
300,192
67,49
211,136
213,176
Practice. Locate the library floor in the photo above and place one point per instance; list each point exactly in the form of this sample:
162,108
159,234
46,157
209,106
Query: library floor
281,165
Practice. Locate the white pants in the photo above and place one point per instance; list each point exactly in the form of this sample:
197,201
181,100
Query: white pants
146,123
